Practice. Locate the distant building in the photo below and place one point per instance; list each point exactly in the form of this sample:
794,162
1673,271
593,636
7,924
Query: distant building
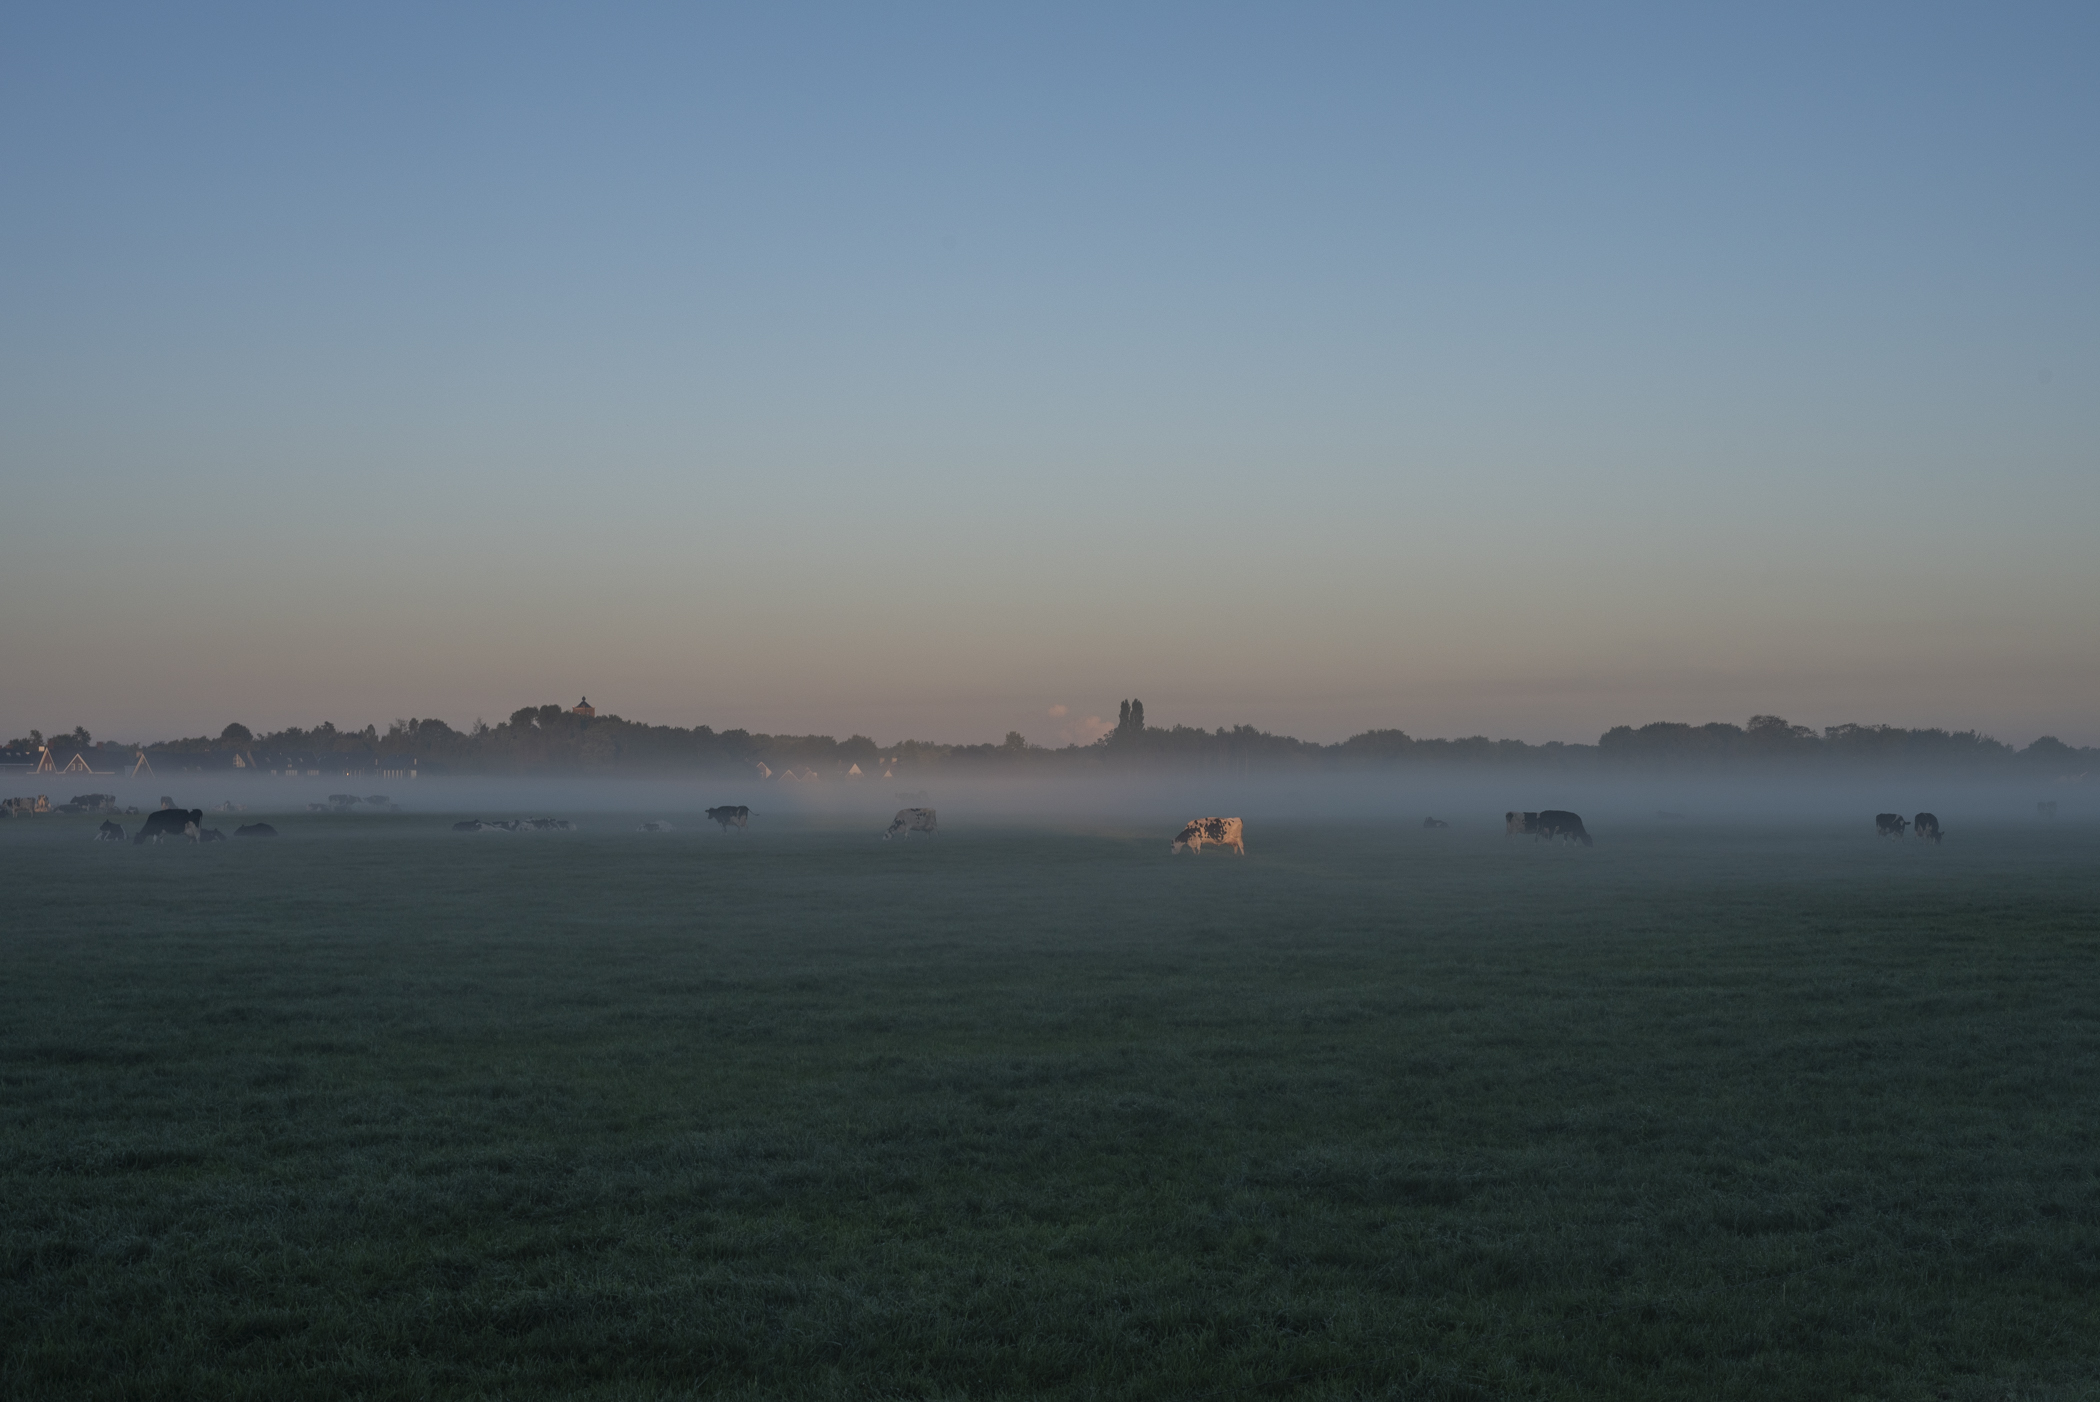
584,708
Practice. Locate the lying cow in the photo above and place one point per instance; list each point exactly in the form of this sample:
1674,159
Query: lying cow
255,830
1927,826
1224,832
170,822
1434,823
210,835
109,832
911,820
728,816
656,827
1889,825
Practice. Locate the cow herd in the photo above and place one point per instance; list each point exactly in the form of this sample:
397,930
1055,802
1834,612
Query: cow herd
180,823
1924,826
1548,825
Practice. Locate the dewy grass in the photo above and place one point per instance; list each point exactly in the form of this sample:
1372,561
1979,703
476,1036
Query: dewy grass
376,1110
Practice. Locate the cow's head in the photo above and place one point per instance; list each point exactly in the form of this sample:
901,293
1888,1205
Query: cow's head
1190,835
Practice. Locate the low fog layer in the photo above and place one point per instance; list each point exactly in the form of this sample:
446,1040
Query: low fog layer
1465,799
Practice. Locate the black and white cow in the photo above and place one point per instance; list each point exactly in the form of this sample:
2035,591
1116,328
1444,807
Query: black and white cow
729,815
1927,826
1222,832
109,832
169,822
911,820
1889,825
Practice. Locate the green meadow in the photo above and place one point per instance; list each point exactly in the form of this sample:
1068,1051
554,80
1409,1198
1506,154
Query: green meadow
378,1110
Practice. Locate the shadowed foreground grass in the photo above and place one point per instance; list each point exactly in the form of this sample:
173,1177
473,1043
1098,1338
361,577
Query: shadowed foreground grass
375,1110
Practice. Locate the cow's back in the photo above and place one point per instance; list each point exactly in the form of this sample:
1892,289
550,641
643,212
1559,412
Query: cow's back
1558,822
168,822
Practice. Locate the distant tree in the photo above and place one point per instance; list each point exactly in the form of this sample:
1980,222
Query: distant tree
80,737
236,734
1378,744
1015,741
1776,730
1123,717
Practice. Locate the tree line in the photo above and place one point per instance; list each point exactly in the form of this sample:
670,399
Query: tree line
552,737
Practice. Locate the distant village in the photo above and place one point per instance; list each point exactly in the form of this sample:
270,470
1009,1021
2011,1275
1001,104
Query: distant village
581,739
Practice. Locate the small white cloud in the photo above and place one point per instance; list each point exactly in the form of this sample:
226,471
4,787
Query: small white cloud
1083,732
1059,710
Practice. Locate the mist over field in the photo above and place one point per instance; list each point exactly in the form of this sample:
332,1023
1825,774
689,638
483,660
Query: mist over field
446,450
1468,801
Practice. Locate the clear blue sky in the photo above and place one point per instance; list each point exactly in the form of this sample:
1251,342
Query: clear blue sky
919,370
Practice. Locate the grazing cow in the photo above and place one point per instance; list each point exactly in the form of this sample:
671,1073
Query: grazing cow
1558,822
911,820
1549,823
1889,825
255,830
1434,823
729,815
1927,826
169,822
109,832
1224,832
210,835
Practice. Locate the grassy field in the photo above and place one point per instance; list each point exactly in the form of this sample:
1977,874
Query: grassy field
377,1110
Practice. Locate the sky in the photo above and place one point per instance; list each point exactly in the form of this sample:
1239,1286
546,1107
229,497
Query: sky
938,371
